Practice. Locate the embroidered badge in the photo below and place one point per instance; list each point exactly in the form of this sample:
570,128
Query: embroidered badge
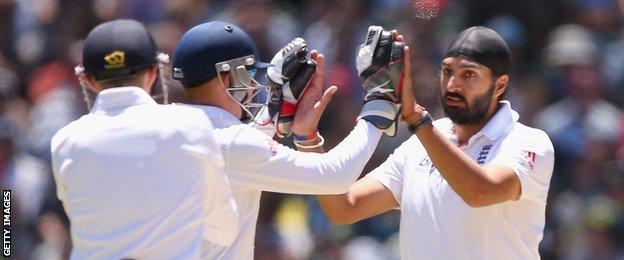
483,154
116,59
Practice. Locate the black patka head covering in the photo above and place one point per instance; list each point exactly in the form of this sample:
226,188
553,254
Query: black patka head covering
484,46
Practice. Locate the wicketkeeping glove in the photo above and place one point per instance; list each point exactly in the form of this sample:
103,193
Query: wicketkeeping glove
289,77
379,63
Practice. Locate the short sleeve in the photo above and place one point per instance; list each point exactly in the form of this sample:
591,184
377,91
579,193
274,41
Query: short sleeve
390,173
531,157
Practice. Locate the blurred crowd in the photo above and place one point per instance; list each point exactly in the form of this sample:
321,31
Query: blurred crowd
567,80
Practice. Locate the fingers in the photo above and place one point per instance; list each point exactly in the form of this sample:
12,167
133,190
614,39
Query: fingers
318,58
319,74
407,95
397,36
313,54
328,94
326,98
407,61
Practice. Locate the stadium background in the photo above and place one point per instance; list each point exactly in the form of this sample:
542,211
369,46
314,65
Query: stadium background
567,80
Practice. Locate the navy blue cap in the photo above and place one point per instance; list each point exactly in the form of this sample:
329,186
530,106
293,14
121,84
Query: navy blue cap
207,44
484,46
118,49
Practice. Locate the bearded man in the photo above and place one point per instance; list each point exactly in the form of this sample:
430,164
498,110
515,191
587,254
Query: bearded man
472,185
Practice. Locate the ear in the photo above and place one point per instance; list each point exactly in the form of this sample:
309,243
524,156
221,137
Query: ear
501,85
149,78
225,77
93,85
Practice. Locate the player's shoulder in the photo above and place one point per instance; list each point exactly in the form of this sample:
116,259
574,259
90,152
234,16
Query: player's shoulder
61,134
245,133
413,146
530,133
182,116
181,112
78,125
74,128
443,123
526,135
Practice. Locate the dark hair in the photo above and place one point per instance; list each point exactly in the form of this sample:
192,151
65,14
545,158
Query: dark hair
194,83
120,82
130,80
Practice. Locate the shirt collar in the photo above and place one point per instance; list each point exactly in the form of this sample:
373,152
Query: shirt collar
500,123
119,98
220,118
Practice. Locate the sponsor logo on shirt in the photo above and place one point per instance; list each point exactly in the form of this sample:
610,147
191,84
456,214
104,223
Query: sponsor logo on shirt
530,158
432,169
426,162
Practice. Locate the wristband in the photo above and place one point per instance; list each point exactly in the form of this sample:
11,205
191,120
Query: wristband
317,145
426,119
304,138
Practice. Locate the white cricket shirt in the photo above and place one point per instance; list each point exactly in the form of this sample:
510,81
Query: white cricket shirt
254,162
435,221
141,180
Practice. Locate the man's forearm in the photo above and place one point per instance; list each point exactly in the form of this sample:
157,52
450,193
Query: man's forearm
467,178
319,149
335,208
366,198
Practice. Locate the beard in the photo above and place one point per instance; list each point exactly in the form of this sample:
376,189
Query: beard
469,114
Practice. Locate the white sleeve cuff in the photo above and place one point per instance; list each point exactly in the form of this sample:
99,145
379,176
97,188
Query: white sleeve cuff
391,183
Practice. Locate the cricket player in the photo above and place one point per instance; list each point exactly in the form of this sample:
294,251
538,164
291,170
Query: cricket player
472,185
216,63
138,180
